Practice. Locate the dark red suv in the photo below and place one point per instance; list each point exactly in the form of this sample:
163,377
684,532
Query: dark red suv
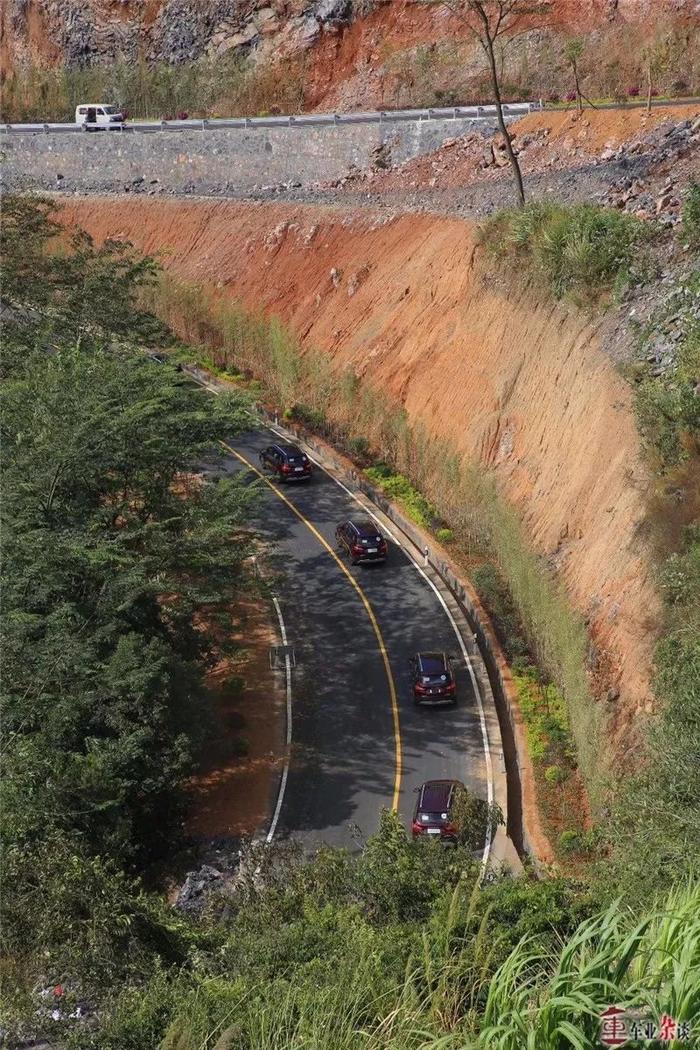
433,812
287,461
433,679
362,541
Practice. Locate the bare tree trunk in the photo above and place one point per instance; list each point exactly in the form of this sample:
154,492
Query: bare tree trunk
517,174
579,101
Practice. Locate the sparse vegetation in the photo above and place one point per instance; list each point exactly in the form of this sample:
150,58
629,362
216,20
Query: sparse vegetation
493,24
207,88
655,834
691,215
612,66
580,251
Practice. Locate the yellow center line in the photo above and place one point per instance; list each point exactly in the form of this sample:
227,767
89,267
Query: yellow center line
398,759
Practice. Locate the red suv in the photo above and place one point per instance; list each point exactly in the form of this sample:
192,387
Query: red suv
433,813
362,541
433,679
287,461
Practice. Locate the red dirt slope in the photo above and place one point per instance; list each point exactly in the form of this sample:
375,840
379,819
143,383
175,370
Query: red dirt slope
511,380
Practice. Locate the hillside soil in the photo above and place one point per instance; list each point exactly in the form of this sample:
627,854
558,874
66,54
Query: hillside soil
511,380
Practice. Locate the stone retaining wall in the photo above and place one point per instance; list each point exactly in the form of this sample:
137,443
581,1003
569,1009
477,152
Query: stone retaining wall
216,161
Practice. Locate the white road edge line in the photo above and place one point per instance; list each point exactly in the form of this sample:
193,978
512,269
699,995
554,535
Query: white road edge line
460,640
288,736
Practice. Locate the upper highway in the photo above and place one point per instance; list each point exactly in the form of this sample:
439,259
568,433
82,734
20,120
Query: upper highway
299,120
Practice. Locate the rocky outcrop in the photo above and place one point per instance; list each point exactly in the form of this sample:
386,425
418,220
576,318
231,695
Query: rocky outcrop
90,32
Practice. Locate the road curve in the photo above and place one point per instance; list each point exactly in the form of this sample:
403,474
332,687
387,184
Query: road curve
359,743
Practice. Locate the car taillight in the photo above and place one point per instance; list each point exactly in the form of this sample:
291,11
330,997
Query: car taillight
416,828
286,469
357,548
450,687
420,688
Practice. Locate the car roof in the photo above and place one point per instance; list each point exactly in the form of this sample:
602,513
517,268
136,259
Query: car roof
365,527
432,663
435,794
289,450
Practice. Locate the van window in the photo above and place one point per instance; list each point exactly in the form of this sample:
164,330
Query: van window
100,111
82,110
108,109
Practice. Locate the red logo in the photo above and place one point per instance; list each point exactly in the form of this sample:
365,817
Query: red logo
613,1027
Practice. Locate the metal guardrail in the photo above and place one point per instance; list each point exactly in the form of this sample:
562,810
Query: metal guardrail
300,120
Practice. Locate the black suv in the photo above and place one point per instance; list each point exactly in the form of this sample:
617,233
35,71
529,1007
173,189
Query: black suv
433,679
362,541
433,813
287,461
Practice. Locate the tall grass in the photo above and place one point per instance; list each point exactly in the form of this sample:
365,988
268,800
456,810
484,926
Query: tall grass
582,250
210,87
356,1007
462,495
450,999
548,1002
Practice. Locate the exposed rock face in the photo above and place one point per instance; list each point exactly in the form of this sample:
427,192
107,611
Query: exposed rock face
183,30
88,32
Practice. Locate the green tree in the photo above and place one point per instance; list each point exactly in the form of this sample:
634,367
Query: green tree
114,543
111,547
472,816
59,289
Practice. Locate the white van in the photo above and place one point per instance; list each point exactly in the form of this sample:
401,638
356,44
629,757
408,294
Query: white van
94,115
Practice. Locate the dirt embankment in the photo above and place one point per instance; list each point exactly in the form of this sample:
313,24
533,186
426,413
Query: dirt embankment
623,157
230,796
511,380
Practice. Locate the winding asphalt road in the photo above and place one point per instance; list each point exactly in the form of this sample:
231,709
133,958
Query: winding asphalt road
357,745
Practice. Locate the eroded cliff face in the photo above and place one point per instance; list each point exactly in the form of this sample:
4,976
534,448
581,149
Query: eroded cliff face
512,381
354,53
